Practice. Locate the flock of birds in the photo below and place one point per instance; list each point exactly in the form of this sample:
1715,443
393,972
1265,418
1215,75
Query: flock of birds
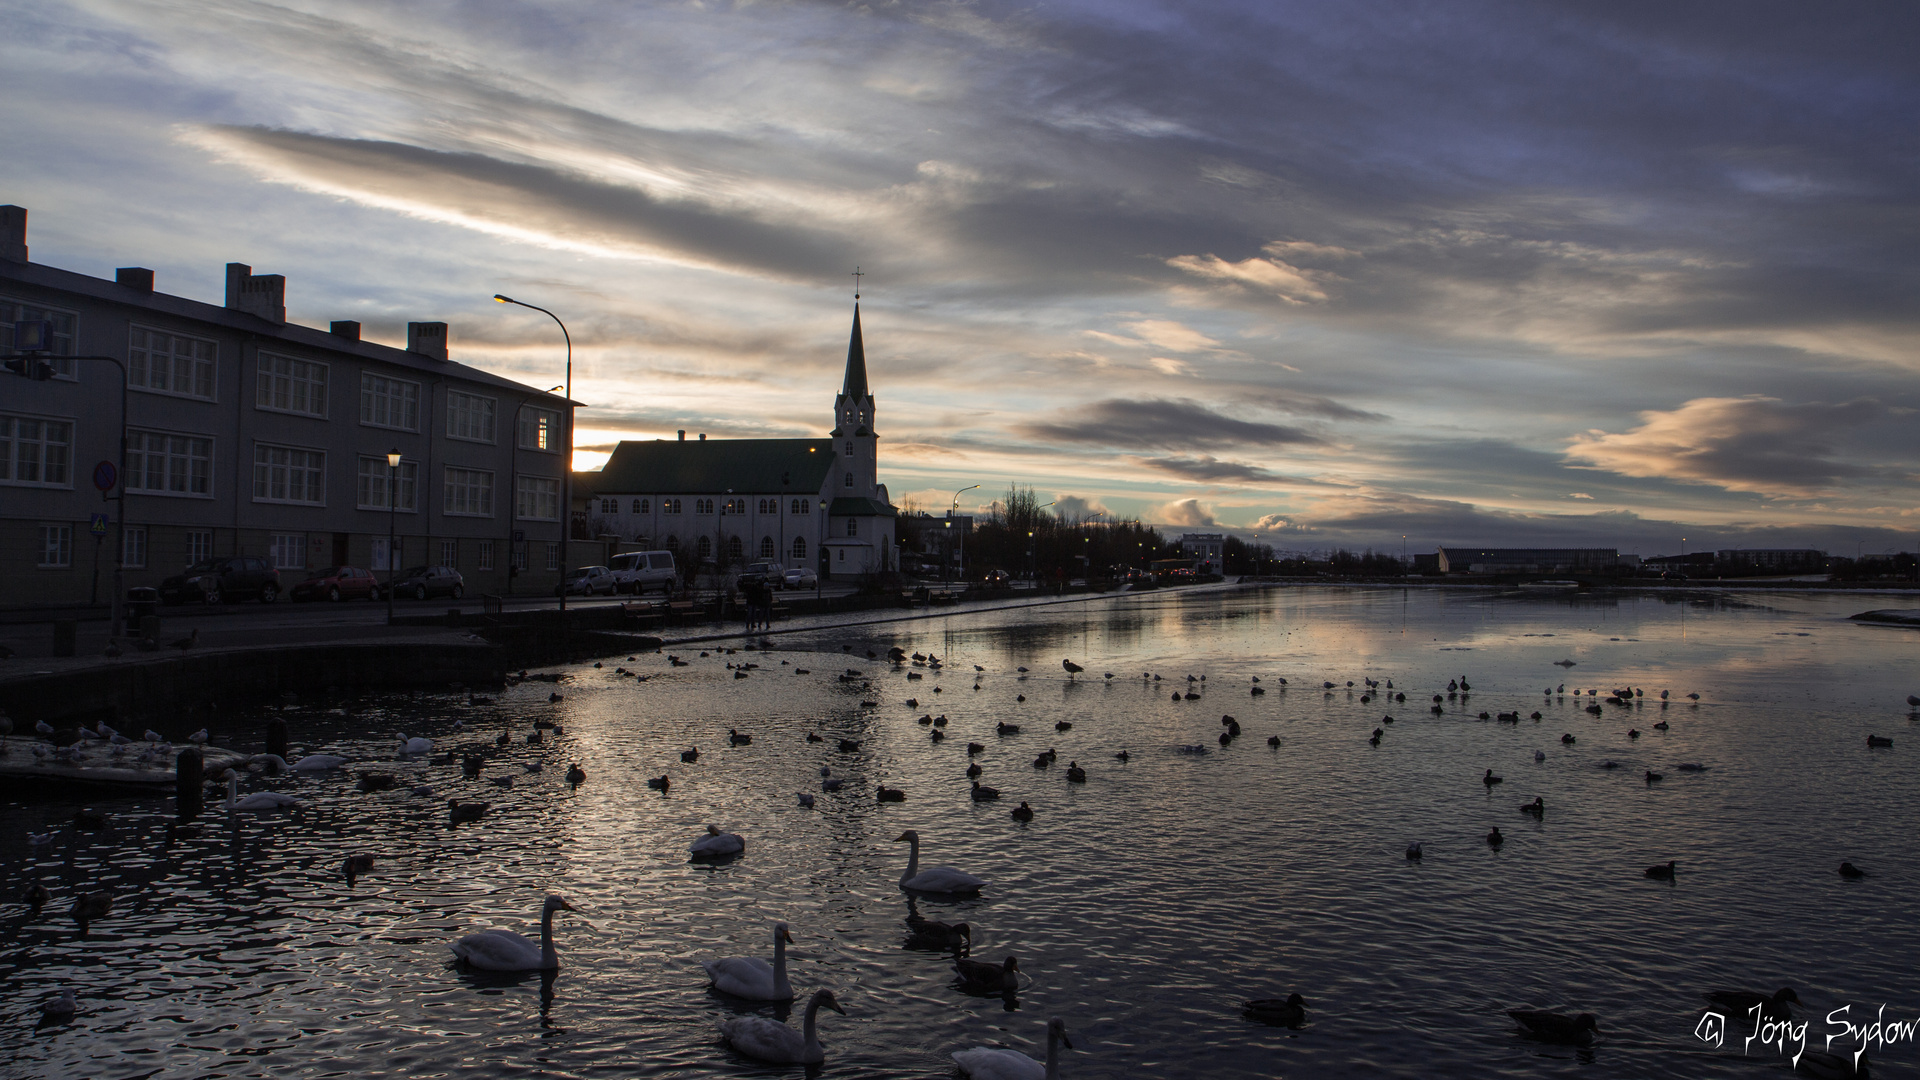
756,979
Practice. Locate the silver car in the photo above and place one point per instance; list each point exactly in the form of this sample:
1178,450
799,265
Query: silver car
801,578
586,581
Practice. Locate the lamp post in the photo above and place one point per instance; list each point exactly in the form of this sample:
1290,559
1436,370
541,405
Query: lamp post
393,502
566,462
821,547
951,508
513,460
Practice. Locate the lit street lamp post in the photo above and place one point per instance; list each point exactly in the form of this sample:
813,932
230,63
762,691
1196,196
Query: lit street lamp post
393,502
566,463
960,536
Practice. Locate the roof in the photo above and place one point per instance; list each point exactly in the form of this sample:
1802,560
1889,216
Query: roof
712,466
51,277
856,385
858,507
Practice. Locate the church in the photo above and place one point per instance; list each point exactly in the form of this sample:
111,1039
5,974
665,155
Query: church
797,502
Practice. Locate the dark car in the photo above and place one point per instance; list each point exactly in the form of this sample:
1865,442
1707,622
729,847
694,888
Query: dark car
766,573
216,581
424,581
336,583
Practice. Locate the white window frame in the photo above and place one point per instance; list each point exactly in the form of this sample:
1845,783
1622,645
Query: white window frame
56,547
373,471
642,506
468,423
527,489
849,482
801,507
767,549
703,506
65,332
283,461
287,551
181,457
553,555
388,393
485,558
199,545
133,547
289,379
45,447
853,526
538,429
203,371
799,550
449,553
470,490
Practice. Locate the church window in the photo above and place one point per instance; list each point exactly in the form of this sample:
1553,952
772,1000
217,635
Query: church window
673,542
802,506
843,554
733,547
734,506
669,506
704,548
853,526
799,549
849,482
766,547
642,506
849,449
703,506
609,506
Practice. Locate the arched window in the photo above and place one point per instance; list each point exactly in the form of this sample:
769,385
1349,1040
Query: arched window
802,506
766,547
669,506
799,550
849,482
853,526
705,547
703,506
767,505
609,506
642,506
673,543
733,547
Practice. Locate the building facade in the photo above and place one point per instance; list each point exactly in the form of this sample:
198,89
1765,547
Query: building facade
1207,550
250,435
812,503
1528,560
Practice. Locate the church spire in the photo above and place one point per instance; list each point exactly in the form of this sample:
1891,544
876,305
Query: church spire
855,388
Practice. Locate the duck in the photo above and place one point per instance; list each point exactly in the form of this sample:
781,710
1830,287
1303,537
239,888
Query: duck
1652,776
929,933
354,866
91,908
259,800
1004,728
1042,761
738,739
1742,1002
999,1063
1662,873
576,775
1851,872
751,977
769,1040
935,879
1023,812
888,794
1494,839
36,898
1874,741
1415,852
1491,779
1557,1027
1124,757
691,754
504,950
1076,774
1663,726
415,746
458,812
984,794
660,783
1273,740
830,783
717,844
502,781
974,770
980,975
1537,808
1288,1012
976,748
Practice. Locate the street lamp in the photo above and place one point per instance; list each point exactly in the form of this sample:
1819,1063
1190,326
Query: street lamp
566,470
393,501
955,505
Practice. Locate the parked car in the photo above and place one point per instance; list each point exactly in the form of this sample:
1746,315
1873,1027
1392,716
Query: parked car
638,571
768,572
336,583
215,581
586,581
801,578
424,581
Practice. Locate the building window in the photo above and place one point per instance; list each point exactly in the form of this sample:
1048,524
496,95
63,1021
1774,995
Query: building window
12,311
371,491
469,493
485,559
449,553
704,549
539,429
669,506
799,550
849,482
199,545
733,547
389,403
56,547
853,526
385,558
38,452
843,554
170,363
133,547
553,556
673,543
537,498
469,416
288,551
703,506
641,506
289,385
766,547
160,462
288,474
801,506
609,506
735,506
849,449
769,506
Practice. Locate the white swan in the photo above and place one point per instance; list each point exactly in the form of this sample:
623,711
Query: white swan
759,1037
504,950
319,763
717,843
751,977
415,746
259,800
986,1063
934,879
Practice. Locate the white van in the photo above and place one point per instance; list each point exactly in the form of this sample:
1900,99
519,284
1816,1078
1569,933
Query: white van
638,571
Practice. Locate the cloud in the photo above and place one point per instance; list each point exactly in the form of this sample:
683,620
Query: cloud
1162,423
1266,275
1755,443
1291,401
1184,513
1075,508
1209,468
1171,335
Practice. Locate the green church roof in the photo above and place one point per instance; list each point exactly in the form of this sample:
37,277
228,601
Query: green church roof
854,506
709,467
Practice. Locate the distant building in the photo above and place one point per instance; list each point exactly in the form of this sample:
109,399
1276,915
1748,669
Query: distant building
1207,550
1426,564
1527,560
1771,560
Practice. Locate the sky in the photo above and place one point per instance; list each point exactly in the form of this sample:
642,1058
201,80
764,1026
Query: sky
1329,275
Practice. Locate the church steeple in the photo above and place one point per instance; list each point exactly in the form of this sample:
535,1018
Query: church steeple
855,387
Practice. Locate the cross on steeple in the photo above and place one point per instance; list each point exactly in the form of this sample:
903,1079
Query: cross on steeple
857,275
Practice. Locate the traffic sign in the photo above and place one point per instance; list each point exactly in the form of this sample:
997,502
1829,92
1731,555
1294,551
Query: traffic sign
105,476
97,524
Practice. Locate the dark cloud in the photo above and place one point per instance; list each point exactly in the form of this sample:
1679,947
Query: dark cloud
1162,423
1210,469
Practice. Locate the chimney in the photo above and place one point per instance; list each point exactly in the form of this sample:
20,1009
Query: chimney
264,295
134,277
703,436
13,233
683,434
345,328
427,339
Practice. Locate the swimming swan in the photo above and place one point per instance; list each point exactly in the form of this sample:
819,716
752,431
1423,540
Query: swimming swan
415,746
717,843
504,950
934,879
759,1037
259,800
751,977
319,763
985,1063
